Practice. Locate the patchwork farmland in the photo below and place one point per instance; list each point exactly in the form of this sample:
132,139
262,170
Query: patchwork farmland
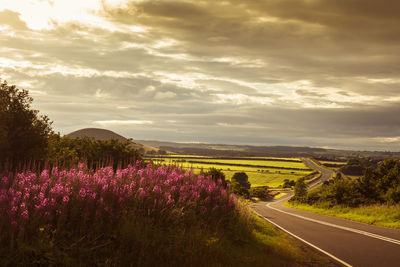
262,171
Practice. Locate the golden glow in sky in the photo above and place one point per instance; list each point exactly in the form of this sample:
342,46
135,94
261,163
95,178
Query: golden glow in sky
41,14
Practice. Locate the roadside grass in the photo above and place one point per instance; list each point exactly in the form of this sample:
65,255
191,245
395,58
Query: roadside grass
382,215
271,247
281,194
149,245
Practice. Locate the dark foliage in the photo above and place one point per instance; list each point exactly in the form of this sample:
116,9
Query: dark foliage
288,183
27,140
24,133
377,186
357,167
240,184
261,192
216,175
69,151
300,189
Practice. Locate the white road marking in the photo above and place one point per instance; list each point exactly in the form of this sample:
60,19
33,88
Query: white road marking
384,238
308,243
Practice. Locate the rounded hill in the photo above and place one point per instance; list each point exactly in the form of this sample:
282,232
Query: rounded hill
104,134
97,133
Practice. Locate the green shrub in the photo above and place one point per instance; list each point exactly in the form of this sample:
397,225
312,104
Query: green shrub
300,189
240,184
377,186
261,193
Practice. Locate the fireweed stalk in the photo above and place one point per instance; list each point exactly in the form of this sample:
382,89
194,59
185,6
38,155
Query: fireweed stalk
84,200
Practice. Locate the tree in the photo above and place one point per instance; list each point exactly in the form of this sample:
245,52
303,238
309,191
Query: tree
288,183
216,175
240,184
23,133
261,193
300,189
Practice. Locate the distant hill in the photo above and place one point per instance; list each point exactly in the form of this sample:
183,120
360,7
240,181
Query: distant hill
103,134
155,147
221,150
97,133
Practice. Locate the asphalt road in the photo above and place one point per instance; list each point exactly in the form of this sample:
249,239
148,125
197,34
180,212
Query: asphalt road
349,243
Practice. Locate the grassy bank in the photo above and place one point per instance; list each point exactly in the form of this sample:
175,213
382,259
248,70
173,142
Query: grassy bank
268,246
382,215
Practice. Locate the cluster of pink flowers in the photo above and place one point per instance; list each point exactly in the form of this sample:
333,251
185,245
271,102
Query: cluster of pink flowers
94,196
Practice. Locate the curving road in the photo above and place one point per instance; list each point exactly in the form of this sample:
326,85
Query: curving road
348,243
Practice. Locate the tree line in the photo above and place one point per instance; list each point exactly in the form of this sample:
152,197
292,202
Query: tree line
27,138
379,185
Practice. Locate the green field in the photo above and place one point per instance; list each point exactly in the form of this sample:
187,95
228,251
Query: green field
266,171
205,157
333,162
283,164
382,215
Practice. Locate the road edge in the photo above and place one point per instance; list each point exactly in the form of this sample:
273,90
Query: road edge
336,259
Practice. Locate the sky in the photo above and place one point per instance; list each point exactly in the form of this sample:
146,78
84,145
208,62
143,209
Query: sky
318,73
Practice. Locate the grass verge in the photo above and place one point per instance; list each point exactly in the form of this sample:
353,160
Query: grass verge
382,215
271,247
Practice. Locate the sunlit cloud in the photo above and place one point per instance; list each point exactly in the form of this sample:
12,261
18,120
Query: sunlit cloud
395,139
240,99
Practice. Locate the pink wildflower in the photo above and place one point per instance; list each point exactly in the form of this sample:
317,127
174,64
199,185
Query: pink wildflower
25,215
65,199
142,192
82,193
157,189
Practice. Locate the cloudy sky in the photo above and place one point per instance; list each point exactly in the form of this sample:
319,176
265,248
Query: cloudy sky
306,72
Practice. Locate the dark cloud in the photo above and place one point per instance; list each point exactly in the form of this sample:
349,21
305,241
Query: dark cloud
303,92
302,39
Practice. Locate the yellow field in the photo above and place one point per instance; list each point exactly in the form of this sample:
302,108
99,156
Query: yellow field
271,172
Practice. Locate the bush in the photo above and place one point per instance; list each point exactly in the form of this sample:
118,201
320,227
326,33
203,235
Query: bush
300,189
261,193
288,184
240,184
